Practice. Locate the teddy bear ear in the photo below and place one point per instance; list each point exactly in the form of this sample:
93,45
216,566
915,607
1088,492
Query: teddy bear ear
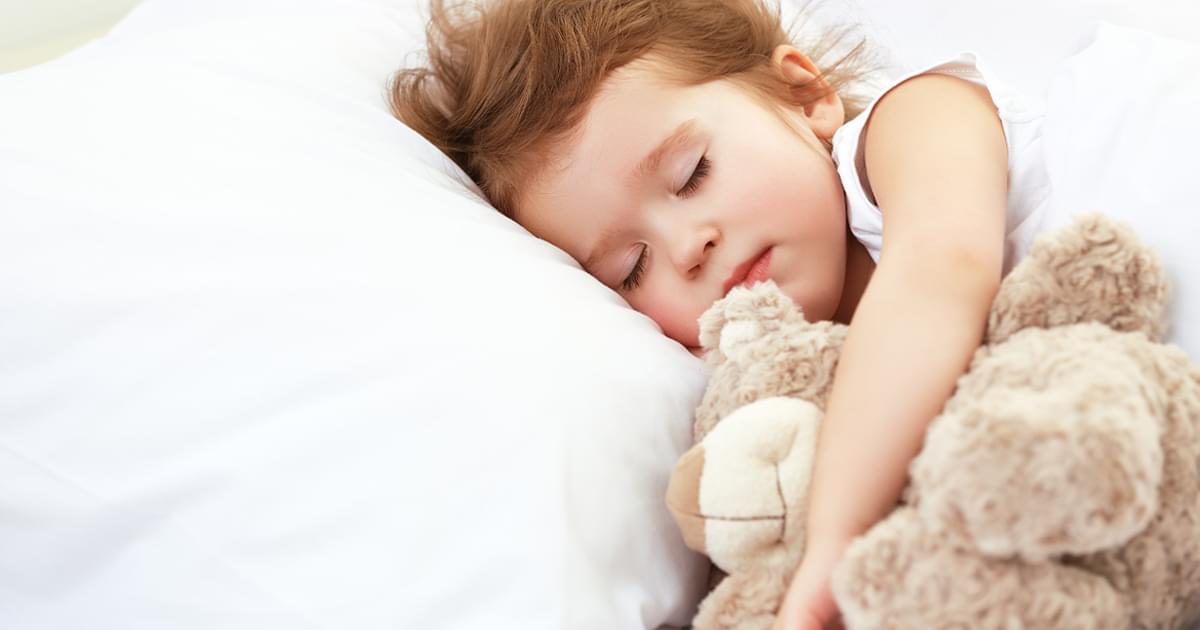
1095,270
739,316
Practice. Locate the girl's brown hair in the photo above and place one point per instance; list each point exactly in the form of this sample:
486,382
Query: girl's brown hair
508,78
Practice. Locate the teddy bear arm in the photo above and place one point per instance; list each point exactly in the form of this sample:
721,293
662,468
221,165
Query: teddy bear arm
1051,445
902,574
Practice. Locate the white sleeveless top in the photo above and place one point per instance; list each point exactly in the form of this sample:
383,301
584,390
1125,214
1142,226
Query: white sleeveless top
1028,186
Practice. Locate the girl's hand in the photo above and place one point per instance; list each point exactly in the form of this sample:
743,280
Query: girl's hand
808,604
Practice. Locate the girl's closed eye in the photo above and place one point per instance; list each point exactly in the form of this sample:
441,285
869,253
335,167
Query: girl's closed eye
635,277
698,174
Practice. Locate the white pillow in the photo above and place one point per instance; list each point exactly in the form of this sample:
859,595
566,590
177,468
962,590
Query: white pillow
266,361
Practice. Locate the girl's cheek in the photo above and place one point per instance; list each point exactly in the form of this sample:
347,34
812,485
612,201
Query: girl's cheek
679,323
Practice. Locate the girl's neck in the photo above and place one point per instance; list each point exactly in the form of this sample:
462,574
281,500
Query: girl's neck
859,267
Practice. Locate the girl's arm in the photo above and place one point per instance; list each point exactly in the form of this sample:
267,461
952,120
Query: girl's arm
937,163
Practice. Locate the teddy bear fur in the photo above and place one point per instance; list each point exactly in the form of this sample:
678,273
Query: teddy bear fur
1058,488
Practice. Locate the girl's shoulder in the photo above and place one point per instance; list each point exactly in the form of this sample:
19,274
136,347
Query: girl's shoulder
1012,106
1021,118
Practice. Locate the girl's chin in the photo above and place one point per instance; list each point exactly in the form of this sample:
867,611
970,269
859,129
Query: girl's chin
812,312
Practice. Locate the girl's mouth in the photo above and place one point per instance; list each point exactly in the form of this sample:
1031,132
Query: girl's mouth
754,270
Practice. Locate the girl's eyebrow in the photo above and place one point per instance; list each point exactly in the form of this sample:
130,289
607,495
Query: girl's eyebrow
679,137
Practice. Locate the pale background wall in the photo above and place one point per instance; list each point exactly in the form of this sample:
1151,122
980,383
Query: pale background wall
33,31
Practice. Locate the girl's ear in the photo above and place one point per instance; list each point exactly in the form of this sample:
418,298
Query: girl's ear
822,108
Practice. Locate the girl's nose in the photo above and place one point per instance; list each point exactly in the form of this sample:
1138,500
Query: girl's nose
690,249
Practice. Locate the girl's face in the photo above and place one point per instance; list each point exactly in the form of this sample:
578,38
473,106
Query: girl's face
673,195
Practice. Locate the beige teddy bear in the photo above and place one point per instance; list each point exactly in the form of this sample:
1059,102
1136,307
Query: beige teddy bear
1059,487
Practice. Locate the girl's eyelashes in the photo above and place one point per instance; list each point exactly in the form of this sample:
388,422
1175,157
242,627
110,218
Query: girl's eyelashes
698,175
635,277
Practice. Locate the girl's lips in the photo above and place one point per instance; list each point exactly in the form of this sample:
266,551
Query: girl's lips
746,274
759,271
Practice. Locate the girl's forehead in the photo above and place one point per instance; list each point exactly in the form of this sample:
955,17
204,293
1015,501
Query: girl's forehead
635,109
639,78
634,112
588,172
629,110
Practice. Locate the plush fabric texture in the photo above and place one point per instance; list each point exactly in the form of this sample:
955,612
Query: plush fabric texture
1057,489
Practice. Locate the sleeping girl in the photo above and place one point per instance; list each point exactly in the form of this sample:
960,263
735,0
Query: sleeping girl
679,148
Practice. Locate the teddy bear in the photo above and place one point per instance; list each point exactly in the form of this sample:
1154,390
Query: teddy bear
1059,487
